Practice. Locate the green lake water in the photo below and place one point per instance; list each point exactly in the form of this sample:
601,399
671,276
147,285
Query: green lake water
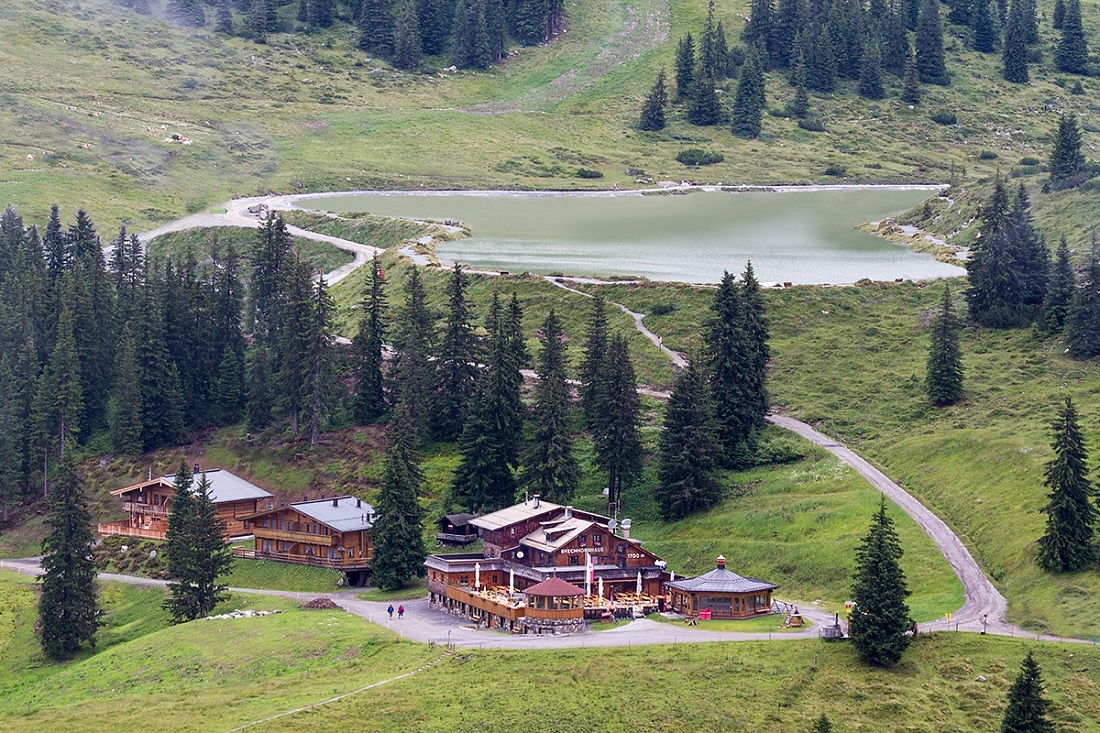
804,237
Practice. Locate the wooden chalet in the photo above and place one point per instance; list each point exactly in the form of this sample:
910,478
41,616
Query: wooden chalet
329,533
721,594
455,529
149,504
532,542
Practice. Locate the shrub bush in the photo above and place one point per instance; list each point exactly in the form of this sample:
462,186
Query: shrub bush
836,170
987,155
697,156
813,124
1029,161
661,309
588,173
944,117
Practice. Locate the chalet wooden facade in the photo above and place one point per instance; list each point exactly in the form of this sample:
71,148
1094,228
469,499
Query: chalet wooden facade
456,529
721,594
149,504
529,543
330,533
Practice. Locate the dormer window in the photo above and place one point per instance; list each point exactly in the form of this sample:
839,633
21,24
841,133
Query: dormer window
582,541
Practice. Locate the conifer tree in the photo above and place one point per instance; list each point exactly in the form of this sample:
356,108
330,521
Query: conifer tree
822,725
1031,252
687,476
997,280
507,356
529,19
595,354
704,109
303,11
615,433
1066,160
985,35
68,610
257,20
11,468
227,337
708,52
653,111
799,105
685,67
721,52
870,75
59,399
1014,52
790,19
821,61
959,12
323,390
368,397
407,48
260,399
895,45
161,391
435,24
223,22
376,28
126,422
398,530
456,364
1060,288
910,92
197,552
1026,711
758,30
880,619
55,246
1059,14
931,67
1083,322
186,12
748,106
462,29
412,367
1069,543
945,375
754,327
1031,21
320,13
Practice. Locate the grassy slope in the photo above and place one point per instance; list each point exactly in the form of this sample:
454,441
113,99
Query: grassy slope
88,89
199,242
144,675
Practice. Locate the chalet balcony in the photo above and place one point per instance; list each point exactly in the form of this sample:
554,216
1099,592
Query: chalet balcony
123,528
455,539
284,535
137,507
348,563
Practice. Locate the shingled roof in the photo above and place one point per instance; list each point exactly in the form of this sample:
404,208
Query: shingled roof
553,587
721,580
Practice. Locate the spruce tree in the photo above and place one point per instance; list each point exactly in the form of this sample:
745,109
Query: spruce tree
550,469
412,366
758,30
1060,288
201,553
821,61
398,531
1066,160
1069,543
321,13
1014,52
895,45
959,12
931,67
1083,320
484,480
260,398
456,364
223,22
822,725
1032,254
68,611
985,35
996,271
595,354
653,111
322,388
368,396
615,433
126,423
799,105
880,619
870,74
407,48
790,19
748,106
1059,14
685,67
11,468
303,11
59,400
910,92
1026,711
257,20
945,376
435,24
376,28
687,473
704,109
186,12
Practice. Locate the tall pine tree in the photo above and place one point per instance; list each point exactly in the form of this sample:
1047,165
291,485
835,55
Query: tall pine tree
1060,288
653,111
880,620
1026,711
456,363
398,531
945,376
931,66
1066,159
368,397
687,475
615,431
1072,55
1083,321
1069,543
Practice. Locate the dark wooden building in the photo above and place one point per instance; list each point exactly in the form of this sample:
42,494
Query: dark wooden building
148,504
329,533
455,529
723,593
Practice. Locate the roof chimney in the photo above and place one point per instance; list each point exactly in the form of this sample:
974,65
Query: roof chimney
536,501
196,468
721,562
358,503
335,501
625,527
568,512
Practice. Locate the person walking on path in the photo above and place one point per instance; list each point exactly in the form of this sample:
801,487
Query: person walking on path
401,612
390,610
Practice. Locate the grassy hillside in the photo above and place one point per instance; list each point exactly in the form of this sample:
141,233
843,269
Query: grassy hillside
249,669
200,242
93,94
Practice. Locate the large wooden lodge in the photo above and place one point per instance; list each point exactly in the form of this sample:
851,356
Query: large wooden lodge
148,504
329,533
592,561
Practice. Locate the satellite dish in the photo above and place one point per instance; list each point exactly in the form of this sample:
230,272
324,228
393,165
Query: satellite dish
612,524
519,554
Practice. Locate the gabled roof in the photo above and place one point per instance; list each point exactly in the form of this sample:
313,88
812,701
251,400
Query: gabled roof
459,520
224,486
554,535
341,513
553,587
721,580
513,514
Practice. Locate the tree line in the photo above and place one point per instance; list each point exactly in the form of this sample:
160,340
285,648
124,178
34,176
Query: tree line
470,34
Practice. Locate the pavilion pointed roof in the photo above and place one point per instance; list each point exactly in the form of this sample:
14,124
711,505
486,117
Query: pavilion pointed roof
721,580
553,587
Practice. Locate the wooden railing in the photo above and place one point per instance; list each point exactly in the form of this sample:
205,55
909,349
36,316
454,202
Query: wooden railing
488,605
138,507
328,540
557,613
313,560
458,539
123,528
